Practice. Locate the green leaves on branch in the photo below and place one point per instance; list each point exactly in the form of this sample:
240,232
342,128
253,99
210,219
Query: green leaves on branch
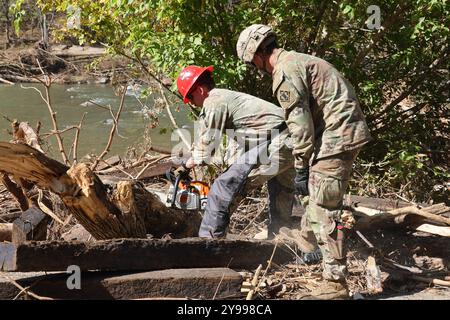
399,71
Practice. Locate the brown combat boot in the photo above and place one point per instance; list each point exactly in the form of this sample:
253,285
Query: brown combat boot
294,236
328,290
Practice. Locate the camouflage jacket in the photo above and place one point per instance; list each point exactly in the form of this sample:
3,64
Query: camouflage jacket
321,108
244,118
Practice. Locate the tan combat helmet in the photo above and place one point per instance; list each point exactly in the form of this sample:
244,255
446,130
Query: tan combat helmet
251,38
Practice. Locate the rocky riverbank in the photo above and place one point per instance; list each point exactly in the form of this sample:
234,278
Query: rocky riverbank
69,64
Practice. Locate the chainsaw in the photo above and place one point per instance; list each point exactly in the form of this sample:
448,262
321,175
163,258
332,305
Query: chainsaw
186,194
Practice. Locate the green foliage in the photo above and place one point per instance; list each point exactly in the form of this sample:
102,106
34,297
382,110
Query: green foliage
18,14
400,72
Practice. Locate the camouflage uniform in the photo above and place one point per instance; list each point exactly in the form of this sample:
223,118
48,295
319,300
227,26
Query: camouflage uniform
328,128
251,120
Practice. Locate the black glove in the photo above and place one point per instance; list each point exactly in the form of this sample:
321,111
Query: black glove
301,181
182,170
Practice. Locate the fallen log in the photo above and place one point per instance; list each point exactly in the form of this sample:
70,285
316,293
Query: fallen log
375,203
129,211
371,217
139,254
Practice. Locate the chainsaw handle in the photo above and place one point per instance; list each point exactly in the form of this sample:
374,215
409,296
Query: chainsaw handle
175,190
175,180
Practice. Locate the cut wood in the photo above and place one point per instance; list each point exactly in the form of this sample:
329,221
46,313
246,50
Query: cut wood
432,229
373,276
254,283
31,225
138,254
6,232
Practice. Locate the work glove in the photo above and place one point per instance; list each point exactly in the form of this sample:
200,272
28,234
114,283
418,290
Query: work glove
182,170
301,182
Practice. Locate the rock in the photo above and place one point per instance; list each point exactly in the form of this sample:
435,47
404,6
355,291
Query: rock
102,80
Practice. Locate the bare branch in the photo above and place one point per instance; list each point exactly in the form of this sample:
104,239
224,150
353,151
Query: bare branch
172,119
388,23
75,140
113,130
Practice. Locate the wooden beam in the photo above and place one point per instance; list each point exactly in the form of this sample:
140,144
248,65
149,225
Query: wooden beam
31,225
436,230
141,254
196,283
200,283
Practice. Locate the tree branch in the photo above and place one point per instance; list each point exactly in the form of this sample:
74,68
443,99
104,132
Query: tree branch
395,17
113,130
75,140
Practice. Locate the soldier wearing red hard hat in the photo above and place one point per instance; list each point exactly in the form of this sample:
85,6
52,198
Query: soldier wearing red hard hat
253,122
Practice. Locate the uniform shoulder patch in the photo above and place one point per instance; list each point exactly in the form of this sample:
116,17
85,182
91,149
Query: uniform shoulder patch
285,96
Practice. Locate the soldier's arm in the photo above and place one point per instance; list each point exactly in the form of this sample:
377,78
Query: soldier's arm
212,125
295,102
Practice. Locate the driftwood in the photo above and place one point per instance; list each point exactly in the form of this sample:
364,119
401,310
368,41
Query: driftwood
373,276
24,133
373,217
129,211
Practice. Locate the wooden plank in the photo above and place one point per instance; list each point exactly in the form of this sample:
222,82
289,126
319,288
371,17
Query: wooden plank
7,256
31,225
437,230
143,254
199,283
6,231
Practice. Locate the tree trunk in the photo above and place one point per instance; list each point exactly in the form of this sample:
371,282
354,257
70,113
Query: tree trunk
7,23
130,211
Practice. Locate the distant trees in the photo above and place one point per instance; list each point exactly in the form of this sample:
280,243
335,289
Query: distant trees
5,18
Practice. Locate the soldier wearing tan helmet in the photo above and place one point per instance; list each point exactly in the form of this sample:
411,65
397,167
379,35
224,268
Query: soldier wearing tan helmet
328,129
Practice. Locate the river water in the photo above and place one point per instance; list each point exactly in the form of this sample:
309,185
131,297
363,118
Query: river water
70,102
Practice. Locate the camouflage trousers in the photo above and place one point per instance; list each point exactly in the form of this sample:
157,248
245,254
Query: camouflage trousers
328,182
232,186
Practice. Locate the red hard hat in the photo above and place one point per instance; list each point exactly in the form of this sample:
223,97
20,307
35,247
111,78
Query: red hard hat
188,77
